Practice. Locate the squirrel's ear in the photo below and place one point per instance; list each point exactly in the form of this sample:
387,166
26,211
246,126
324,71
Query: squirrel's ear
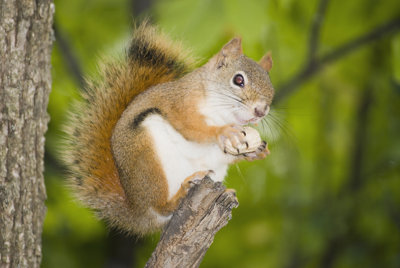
232,49
266,61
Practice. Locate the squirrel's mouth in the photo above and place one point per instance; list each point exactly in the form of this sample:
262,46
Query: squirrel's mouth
245,121
254,116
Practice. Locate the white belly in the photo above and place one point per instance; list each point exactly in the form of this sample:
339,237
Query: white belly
181,158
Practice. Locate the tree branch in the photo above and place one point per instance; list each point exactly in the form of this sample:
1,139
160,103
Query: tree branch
316,30
309,70
72,62
140,7
353,184
190,232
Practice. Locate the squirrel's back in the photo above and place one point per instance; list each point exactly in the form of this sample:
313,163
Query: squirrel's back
151,59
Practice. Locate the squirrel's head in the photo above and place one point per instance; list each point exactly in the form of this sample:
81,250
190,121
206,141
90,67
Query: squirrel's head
239,90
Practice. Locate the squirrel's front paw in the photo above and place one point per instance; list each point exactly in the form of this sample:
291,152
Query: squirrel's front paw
237,140
232,139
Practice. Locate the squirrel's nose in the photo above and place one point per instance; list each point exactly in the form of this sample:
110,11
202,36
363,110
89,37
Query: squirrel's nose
261,110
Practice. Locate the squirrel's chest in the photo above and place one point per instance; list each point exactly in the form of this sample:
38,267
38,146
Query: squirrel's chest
180,158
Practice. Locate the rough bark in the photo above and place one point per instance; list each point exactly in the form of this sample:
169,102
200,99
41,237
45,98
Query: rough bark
25,81
186,238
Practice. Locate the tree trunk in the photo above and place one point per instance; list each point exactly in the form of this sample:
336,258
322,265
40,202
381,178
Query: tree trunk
25,46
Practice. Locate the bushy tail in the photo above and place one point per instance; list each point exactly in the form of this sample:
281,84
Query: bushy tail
151,59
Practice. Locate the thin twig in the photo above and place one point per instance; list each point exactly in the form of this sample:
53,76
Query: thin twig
359,142
379,32
316,30
309,70
72,62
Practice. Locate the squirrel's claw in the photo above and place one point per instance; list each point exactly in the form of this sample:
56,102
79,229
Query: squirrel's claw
232,139
261,152
237,140
196,178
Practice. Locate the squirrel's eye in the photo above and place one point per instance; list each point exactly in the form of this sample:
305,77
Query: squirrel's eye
238,80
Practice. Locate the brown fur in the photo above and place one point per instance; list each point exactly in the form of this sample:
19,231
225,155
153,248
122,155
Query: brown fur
94,177
114,165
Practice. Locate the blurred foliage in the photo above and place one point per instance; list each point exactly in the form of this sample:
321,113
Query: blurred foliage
329,193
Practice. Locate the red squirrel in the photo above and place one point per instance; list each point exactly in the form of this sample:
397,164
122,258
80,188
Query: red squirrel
152,124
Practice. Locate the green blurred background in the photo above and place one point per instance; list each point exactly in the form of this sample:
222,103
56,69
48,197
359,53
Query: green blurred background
329,193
